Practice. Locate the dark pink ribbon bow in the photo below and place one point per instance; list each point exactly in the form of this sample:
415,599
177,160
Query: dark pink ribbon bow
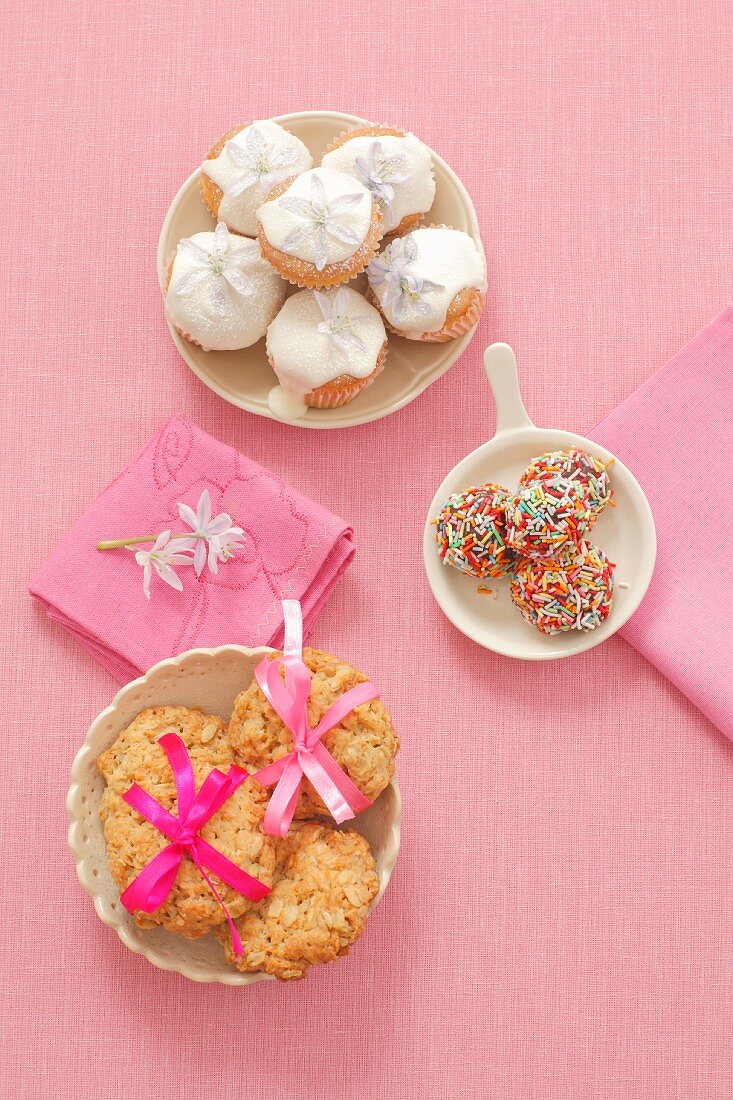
310,758
151,887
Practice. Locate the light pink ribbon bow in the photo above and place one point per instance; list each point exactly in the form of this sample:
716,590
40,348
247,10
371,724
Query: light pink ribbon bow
151,887
309,758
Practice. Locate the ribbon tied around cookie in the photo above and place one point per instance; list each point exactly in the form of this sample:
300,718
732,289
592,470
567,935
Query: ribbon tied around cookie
288,696
152,886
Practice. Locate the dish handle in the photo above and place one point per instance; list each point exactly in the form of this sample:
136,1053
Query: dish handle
500,365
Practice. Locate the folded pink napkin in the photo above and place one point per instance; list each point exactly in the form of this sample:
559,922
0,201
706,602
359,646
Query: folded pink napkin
675,434
293,548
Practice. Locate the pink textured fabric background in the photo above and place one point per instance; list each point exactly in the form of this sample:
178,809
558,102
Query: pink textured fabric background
568,934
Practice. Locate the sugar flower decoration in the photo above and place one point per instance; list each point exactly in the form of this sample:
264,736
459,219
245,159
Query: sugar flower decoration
337,323
403,288
212,538
212,534
259,158
321,220
380,173
221,265
162,559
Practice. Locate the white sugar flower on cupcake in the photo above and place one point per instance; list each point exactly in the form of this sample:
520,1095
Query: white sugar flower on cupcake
394,165
320,229
325,347
429,285
220,292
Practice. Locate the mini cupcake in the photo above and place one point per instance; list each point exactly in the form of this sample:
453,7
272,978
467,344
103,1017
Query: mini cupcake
364,743
395,166
220,293
242,168
325,346
429,285
190,909
325,882
320,229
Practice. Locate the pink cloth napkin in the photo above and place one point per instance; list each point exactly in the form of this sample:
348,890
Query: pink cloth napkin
675,434
293,548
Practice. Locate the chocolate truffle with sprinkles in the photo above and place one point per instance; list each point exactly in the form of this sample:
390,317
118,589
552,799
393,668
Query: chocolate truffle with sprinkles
573,595
471,532
586,469
547,517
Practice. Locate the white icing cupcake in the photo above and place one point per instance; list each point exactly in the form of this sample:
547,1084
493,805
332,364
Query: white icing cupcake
244,166
325,347
320,229
429,285
221,293
395,166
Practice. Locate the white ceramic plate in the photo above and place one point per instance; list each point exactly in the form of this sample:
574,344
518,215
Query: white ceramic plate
244,378
626,533
210,679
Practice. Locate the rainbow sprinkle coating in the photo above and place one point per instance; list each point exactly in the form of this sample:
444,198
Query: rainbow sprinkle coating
571,595
575,465
471,532
547,517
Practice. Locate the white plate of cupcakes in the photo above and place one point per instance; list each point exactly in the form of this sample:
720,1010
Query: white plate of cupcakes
540,544
320,269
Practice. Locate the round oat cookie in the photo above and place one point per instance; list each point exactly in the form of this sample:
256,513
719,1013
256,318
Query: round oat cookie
364,743
325,881
235,830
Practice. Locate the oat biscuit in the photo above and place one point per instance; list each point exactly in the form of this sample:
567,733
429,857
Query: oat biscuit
235,830
325,881
364,744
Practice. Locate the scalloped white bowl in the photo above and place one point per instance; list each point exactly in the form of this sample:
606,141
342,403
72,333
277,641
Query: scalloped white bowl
244,378
210,679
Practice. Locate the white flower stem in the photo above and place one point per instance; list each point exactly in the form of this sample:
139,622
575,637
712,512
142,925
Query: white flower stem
115,544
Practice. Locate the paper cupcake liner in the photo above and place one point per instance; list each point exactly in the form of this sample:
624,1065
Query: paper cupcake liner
332,395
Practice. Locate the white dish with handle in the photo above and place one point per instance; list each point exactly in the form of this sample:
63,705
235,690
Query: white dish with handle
625,533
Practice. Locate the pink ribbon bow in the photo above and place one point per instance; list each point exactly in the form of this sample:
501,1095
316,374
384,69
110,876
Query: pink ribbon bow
309,758
151,887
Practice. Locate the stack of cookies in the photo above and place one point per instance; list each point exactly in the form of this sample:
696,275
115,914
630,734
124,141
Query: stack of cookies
322,880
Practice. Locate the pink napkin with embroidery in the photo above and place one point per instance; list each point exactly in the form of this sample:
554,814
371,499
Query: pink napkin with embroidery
292,548
675,434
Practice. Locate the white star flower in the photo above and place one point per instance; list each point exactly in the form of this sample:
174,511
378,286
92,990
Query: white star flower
322,220
222,265
337,323
214,537
403,288
380,173
163,556
259,159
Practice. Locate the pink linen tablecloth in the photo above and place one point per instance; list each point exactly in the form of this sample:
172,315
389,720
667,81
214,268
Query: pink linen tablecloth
676,433
292,548
566,934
